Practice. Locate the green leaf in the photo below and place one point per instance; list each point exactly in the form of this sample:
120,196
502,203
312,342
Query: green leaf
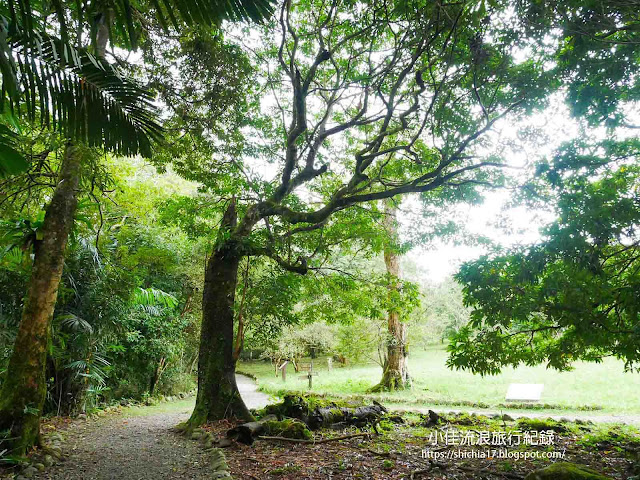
11,161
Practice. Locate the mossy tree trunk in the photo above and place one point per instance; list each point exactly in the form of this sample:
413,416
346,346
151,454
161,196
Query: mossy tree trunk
218,395
396,374
24,388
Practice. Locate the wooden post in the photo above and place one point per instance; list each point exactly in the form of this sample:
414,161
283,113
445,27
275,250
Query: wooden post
283,368
311,374
330,363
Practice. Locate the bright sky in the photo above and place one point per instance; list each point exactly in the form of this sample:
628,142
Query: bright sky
440,260
503,224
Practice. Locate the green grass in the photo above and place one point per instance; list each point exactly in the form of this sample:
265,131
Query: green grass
603,386
178,406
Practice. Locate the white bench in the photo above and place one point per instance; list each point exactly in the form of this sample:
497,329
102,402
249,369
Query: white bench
524,392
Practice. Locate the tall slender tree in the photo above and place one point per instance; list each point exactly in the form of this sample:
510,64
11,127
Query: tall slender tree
24,389
395,375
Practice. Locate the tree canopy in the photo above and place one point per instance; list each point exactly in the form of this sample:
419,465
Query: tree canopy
573,295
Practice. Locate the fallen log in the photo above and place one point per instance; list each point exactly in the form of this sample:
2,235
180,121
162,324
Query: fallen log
359,416
246,432
294,420
294,406
270,426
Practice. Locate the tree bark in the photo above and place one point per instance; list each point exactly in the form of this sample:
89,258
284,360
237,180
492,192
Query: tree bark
396,373
218,395
239,342
24,389
104,24
155,377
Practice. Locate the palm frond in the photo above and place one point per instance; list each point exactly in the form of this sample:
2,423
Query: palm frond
126,17
75,323
13,258
7,64
211,12
150,297
95,375
79,95
151,310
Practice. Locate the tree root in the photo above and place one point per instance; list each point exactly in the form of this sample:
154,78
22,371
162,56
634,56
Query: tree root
486,471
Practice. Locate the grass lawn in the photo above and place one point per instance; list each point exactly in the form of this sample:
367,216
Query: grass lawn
177,406
605,386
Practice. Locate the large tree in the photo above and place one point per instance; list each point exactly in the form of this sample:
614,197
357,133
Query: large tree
60,77
367,102
573,295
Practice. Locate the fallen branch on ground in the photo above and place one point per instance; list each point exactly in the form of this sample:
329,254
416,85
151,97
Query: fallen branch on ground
322,440
380,454
432,464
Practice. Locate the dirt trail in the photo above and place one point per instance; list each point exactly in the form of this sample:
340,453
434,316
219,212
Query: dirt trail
250,394
132,447
139,445
628,419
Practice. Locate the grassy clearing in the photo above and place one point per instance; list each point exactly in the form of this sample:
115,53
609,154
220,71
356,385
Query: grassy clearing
605,386
178,406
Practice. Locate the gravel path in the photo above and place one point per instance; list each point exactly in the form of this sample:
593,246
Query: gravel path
131,447
141,445
250,394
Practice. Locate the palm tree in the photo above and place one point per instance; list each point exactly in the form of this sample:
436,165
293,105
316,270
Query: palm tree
46,78
73,90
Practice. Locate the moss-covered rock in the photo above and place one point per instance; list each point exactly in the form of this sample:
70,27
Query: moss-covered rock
467,419
289,428
294,406
566,471
540,424
301,406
